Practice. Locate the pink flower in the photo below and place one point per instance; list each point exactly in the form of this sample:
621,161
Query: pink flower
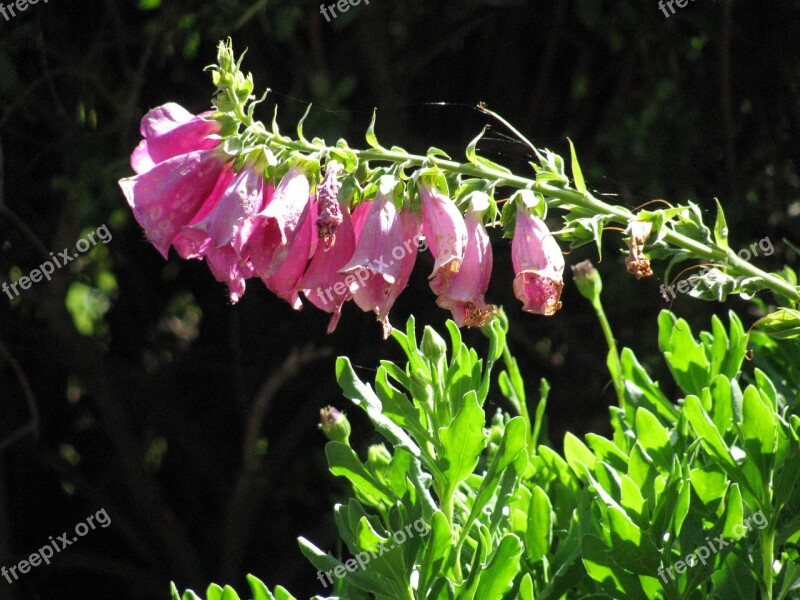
275,227
281,239
170,131
538,264
444,229
384,255
462,293
225,222
284,282
167,197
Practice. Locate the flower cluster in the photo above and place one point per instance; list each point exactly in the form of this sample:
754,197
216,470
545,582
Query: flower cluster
250,215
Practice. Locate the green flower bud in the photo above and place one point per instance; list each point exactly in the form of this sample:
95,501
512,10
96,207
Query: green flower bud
588,280
334,425
378,457
433,345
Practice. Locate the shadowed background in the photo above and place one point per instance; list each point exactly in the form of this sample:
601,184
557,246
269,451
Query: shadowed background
131,384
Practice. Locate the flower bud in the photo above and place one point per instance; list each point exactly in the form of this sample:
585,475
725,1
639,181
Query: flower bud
378,457
334,425
433,345
587,279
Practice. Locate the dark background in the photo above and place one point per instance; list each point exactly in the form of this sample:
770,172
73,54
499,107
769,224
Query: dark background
131,384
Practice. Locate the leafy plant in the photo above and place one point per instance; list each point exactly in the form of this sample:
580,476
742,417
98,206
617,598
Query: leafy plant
510,517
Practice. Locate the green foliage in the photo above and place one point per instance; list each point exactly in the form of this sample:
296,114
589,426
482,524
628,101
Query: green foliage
691,499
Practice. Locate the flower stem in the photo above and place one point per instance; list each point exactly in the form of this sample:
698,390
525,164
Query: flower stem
557,195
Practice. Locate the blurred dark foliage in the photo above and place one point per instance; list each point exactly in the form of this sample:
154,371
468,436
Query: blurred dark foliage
131,384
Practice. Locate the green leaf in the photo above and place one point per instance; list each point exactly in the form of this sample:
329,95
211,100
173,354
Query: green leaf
363,396
498,576
720,227
462,442
653,437
577,174
759,430
372,141
607,572
575,452
734,513
783,324
214,592
539,533
437,548
260,591
686,358
342,461
707,431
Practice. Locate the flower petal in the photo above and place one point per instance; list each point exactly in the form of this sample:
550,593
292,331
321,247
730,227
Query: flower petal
167,197
169,131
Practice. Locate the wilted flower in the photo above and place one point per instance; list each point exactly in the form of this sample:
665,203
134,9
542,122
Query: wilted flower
637,262
170,130
463,292
444,229
322,283
168,196
538,264
384,255
330,214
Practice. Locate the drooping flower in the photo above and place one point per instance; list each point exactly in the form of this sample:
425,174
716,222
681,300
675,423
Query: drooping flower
284,282
241,201
330,213
168,196
463,292
538,264
443,227
170,130
275,227
282,238
384,255
637,262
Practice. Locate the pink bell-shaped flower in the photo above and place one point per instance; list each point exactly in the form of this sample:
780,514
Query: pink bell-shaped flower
462,293
384,255
538,264
443,226
239,203
275,227
168,196
170,130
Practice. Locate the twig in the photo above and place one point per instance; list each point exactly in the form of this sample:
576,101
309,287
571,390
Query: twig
33,424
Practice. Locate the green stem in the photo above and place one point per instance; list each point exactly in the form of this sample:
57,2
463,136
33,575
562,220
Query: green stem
558,195
613,353
767,558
